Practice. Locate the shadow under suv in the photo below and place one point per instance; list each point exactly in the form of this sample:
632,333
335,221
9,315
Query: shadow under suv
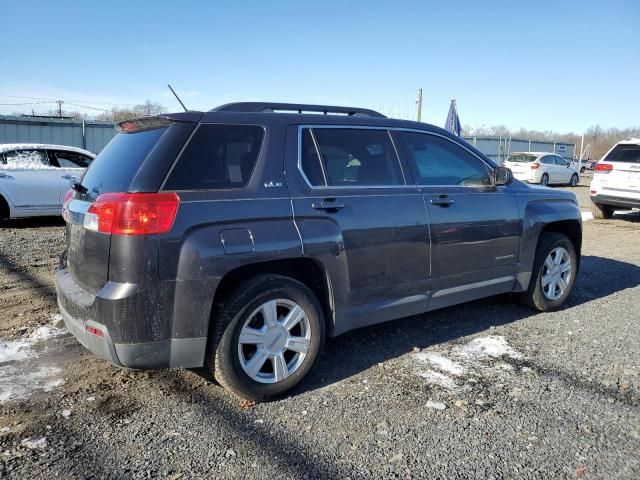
239,238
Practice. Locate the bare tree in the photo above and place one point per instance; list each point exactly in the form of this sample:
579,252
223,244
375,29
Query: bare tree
117,114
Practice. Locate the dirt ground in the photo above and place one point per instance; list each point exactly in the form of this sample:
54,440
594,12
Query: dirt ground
483,390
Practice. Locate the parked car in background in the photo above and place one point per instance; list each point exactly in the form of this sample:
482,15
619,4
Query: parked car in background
543,168
581,165
616,180
239,238
35,177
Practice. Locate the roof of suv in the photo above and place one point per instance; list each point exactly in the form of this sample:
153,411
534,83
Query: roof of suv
630,141
292,113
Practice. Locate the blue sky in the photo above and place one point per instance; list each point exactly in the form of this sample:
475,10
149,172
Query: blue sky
543,65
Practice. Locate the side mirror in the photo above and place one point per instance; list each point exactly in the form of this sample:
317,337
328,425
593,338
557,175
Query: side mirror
502,176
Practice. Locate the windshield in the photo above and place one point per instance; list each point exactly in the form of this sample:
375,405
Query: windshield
116,166
521,158
624,153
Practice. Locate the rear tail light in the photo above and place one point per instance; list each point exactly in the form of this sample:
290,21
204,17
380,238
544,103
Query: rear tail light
603,167
132,213
535,166
67,198
94,331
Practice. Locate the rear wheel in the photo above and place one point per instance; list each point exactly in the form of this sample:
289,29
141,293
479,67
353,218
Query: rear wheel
554,273
544,181
574,180
602,212
267,337
4,210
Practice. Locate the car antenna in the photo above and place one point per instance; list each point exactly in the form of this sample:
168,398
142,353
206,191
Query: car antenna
176,95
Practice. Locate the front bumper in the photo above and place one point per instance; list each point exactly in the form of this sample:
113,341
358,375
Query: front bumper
80,310
620,202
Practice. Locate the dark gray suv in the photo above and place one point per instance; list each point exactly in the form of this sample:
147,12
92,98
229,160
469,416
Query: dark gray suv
239,238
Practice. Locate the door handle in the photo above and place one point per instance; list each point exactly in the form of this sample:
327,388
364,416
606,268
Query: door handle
442,201
4,175
327,204
69,177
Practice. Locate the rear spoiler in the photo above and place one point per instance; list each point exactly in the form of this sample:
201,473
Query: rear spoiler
158,121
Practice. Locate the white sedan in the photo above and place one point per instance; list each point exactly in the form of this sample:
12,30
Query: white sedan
35,177
543,168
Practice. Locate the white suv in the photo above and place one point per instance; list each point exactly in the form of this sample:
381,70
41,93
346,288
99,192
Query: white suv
616,180
35,177
543,168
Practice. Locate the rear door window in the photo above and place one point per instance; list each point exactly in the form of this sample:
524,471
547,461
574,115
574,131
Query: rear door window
624,153
217,157
27,159
71,159
438,161
350,157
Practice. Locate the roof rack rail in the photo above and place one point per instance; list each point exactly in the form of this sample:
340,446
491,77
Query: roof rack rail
257,107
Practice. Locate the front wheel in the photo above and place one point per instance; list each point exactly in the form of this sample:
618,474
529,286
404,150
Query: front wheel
267,337
554,273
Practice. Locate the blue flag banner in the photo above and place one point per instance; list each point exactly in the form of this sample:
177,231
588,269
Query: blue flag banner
453,121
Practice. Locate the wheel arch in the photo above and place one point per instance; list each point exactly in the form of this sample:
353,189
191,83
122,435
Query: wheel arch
540,216
308,271
569,228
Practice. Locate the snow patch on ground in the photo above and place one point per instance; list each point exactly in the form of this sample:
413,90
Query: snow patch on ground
461,365
23,369
492,346
587,216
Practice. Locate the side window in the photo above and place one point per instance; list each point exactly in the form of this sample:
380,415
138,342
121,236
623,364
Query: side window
71,160
27,159
439,161
217,157
560,161
351,157
547,160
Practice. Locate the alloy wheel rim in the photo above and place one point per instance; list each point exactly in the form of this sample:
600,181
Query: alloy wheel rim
556,273
274,341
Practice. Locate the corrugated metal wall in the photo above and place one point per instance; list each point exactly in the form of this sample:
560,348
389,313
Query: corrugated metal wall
497,148
57,131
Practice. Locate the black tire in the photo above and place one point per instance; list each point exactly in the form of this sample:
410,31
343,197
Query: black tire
222,357
601,212
4,211
582,169
544,180
574,180
534,296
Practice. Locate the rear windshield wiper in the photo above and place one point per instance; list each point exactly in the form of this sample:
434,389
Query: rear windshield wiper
78,187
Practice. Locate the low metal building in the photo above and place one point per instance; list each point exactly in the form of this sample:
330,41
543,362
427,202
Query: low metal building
499,148
91,135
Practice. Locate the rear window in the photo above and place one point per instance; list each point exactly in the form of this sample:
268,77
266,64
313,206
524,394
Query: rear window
217,157
624,153
116,165
521,158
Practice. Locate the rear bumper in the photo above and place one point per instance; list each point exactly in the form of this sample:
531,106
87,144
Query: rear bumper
80,310
620,202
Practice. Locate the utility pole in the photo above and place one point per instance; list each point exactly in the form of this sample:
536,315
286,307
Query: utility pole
419,102
59,102
581,146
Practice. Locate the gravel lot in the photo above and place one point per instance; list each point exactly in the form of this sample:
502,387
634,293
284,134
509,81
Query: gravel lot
483,390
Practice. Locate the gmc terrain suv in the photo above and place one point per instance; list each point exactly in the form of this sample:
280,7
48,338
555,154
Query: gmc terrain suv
239,238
